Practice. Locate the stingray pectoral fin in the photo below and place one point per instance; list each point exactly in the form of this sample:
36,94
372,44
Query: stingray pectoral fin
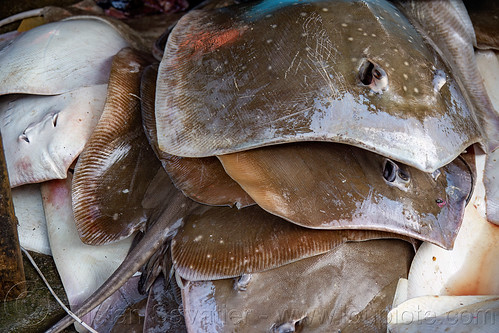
117,164
201,179
319,294
59,57
220,243
449,27
168,222
334,186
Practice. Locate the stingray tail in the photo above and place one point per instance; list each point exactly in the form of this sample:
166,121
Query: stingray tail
168,222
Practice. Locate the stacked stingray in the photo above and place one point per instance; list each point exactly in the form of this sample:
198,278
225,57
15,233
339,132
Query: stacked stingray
391,118
54,85
340,120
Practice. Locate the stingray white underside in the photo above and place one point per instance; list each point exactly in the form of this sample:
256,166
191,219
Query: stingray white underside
58,57
43,135
83,268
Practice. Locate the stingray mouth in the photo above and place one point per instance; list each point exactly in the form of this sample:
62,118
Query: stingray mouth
373,76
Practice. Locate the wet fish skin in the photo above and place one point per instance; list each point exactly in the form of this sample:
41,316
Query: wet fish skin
449,28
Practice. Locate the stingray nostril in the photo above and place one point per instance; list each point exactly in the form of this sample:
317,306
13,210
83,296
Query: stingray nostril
390,171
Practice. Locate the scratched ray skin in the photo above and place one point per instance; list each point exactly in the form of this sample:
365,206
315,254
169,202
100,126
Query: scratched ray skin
265,73
220,242
327,185
318,294
202,179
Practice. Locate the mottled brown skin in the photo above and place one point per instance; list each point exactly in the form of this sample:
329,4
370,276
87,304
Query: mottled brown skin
218,243
259,74
201,179
335,186
118,164
12,280
318,294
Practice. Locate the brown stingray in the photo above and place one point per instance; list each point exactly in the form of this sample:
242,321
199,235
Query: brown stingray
117,165
272,72
220,243
336,186
201,179
323,293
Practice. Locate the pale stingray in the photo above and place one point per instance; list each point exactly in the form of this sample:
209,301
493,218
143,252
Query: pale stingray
488,64
32,227
219,243
43,135
354,72
59,57
325,293
83,268
335,186
472,266
201,179
118,164
456,314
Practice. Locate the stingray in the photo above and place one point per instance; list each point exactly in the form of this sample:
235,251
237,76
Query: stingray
264,73
201,179
165,221
448,27
336,186
43,135
219,243
117,165
59,57
94,263
471,267
323,293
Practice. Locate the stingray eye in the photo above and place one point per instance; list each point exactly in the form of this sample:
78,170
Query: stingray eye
377,74
390,171
403,175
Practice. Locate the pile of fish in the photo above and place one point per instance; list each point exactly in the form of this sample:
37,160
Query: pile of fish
280,166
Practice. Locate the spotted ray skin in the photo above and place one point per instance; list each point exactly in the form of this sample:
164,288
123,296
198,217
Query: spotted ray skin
354,72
